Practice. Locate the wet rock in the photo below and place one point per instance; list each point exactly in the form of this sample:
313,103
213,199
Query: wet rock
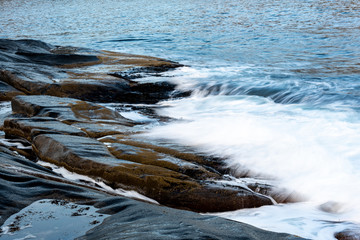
30,127
352,234
23,182
53,126
7,92
68,110
85,155
40,105
37,68
212,164
151,157
133,221
98,130
90,157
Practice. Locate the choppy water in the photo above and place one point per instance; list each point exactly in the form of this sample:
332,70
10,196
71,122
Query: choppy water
276,84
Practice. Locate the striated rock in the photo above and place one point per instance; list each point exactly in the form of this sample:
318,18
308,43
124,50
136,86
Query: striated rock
7,92
101,129
212,164
60,126
68,110
30,127
151,157
37,68
23,182
89,157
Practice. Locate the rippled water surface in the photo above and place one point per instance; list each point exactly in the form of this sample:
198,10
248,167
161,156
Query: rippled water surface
277,87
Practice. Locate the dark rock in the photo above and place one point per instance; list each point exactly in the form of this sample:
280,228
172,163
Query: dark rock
30,127
133,221
90,157
151,157
349,234
68,110
23,182
82,154
7,92
98,130
176,151
37,68
170,176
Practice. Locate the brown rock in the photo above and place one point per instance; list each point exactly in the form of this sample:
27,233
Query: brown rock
36,68
29,127
151,157
90,157
7,92
68,110
352,234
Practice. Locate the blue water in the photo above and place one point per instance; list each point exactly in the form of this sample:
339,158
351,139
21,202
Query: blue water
276,85
308,51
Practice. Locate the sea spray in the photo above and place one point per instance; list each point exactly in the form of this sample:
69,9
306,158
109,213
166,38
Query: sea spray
307,150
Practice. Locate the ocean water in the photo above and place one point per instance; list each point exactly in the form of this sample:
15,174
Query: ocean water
276,88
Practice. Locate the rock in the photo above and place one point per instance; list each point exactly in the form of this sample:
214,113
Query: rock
30,127
60,124
151,157
349,234
7,92
102,129
90,157
176,151
68,110
23,182
37,68
133,221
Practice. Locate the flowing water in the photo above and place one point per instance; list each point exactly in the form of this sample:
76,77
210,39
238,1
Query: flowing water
276,88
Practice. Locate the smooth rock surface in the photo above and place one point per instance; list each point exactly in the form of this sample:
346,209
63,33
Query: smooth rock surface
23,182
36,68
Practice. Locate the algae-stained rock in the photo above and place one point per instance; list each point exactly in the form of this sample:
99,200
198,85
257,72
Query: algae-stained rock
35,105
151,157
69,110
37,68
169,149
101,129
90,157
7,92
29,127
73,151
23,182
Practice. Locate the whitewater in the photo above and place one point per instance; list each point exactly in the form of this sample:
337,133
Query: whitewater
306,151
275,84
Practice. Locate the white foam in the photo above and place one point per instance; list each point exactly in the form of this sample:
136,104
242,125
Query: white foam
301,219
311,151
76,177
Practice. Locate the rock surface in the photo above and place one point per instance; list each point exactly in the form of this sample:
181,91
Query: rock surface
23,182
162,175
36,68
53,91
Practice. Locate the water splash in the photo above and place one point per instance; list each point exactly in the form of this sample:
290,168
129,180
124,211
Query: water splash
308,150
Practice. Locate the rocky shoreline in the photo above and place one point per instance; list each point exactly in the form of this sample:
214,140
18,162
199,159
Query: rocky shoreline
57,117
